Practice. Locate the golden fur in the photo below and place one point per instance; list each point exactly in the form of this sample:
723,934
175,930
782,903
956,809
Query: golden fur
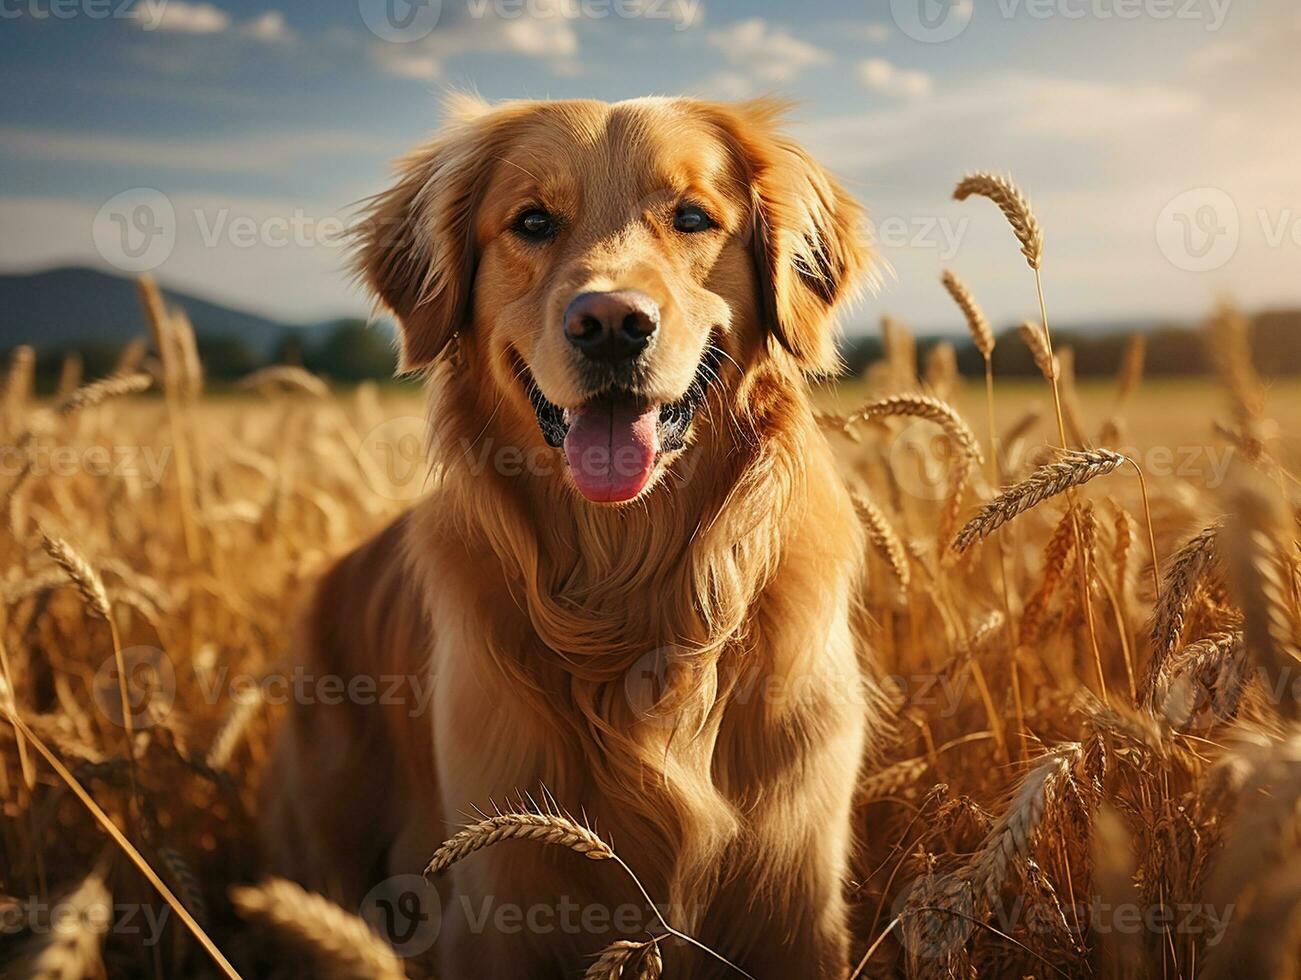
729,581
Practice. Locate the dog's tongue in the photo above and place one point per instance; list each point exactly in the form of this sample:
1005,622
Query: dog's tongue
611,449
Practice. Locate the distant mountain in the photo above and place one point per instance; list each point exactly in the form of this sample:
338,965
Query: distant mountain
72,306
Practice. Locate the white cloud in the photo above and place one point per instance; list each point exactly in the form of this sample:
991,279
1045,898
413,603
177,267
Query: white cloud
407,64
683,13
769,53
883,76
727,85
181,17
544,29
269,27
877,32
540,37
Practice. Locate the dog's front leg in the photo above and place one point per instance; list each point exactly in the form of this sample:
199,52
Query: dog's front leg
794,755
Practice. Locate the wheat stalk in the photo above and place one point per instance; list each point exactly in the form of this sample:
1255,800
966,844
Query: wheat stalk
162,327
1190,564
900,353
91,586
131,357
189,367
884,539
186,882
232,729
981,334
70,374
943,415
1216,660
1074,469
341,946
120,839
1264,580
1230,352
1130,375
941,369
548,828
18,385
1014,206
923,407
1114,870
1033,336
285,377
80,572
98,392
1014,833
1056,552
891,780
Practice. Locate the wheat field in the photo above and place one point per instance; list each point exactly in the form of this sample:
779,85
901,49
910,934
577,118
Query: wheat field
1084,604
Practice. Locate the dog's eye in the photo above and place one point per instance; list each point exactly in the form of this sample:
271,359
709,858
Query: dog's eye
691,218
535,224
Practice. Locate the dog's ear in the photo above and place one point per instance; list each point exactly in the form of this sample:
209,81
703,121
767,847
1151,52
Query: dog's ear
807,235
415,243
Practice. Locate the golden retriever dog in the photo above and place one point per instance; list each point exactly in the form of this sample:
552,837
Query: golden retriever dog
632,581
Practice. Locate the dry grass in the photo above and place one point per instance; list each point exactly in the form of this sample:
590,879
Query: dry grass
1072,733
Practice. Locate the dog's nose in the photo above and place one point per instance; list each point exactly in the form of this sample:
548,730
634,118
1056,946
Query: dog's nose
614,326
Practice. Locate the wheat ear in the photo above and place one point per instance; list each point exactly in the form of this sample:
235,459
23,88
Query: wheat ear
71,947
548,828
98,392
91,587
981,334
627,960
1074,469
1014,206
1189,565
884,539
285,377
162,327
79,571
1230,352
1263,579
923,407
1056,552
342,946
1033,336
943,415
1013,835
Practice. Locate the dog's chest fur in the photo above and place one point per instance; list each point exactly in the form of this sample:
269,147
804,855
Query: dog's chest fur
688,756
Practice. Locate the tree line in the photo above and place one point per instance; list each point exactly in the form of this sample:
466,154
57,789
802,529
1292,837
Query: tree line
351,351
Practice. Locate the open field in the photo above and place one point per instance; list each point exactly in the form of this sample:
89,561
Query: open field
1080,779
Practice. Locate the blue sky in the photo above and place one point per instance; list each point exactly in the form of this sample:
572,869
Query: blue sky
1158,139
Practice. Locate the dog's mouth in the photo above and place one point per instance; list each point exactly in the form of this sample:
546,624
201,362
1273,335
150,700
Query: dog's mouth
613,441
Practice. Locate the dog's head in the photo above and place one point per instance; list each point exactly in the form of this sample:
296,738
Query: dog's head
608,265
